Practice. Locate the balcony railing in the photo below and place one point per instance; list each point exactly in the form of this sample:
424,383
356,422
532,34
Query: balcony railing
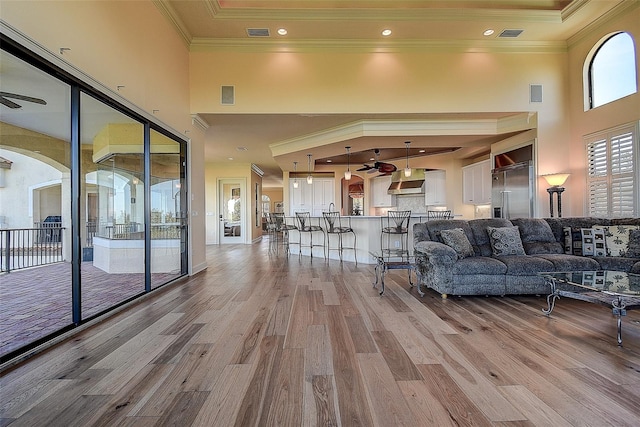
30,247
41,245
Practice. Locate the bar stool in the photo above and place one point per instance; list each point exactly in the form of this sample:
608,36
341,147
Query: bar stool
396,225
446,214
281,227
271,232
305,226
338,225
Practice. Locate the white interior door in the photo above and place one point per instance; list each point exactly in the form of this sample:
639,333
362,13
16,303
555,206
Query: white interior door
232,206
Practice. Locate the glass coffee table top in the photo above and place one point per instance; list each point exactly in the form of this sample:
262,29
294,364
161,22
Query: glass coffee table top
615,289
610,282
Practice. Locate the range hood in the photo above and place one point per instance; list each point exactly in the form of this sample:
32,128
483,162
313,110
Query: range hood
401,184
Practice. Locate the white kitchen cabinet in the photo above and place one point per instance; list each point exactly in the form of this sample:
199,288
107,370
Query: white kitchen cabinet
476,183
435,191
379,196
313,198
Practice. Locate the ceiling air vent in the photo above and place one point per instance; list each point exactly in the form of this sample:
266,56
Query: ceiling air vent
510,33
258,32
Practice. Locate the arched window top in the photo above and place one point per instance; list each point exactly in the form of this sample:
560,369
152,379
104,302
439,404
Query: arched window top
612,70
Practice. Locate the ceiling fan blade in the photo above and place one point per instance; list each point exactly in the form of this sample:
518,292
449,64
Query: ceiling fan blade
365,168
4,101
23,98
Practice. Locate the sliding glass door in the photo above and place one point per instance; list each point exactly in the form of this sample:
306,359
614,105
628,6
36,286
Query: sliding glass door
93,211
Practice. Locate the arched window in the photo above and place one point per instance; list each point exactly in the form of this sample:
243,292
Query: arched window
612,70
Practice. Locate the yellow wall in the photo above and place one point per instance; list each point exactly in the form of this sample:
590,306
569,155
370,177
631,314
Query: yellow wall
242,172
275,194
625,110
129,44
426,82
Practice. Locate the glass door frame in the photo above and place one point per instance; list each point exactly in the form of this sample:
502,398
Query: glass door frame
241,183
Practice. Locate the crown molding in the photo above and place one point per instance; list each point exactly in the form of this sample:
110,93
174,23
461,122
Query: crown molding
386,14
572,8
256,169
513,123
377,46
169,12
199,122
623,8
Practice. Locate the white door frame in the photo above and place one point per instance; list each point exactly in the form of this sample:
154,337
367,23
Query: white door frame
222,205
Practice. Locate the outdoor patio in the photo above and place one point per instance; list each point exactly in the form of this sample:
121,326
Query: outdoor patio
37,301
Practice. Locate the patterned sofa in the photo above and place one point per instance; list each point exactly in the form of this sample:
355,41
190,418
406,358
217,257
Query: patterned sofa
501,257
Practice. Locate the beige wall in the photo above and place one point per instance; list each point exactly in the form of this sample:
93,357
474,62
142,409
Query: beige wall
242,172
275,194
625,110
129,44
426,82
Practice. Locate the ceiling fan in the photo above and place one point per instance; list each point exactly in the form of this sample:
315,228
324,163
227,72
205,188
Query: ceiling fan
382,167
8,103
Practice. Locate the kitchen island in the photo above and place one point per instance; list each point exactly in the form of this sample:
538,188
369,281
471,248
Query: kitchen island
367,229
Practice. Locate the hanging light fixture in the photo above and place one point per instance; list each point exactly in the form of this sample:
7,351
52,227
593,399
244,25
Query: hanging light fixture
309,177
295,179
347,173
407,169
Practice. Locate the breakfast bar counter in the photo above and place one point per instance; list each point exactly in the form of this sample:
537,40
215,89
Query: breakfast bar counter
368,230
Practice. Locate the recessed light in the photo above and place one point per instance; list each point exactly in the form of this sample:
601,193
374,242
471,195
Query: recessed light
488,32
229,158
329,160
386,32
282,31
422,151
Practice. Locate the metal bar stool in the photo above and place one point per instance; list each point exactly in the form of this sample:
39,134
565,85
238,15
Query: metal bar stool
281,227
305,226
338,225
446,214
395,225
272,233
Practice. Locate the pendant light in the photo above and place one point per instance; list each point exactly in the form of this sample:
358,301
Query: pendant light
347,173
407,169
309,177
295,179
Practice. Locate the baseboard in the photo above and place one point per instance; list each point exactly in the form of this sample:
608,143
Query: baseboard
198,268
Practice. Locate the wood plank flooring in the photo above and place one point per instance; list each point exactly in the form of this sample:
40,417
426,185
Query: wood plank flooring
262,340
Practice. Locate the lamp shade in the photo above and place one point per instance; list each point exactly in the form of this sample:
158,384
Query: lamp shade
347,175
556,179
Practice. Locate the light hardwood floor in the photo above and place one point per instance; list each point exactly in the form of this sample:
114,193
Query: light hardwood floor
259,339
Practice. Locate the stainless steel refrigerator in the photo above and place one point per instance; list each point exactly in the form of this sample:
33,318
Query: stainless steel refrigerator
512,191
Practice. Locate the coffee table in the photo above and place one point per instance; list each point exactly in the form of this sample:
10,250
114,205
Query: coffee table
384,263
615,289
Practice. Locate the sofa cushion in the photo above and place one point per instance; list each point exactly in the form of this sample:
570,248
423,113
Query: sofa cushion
564,262
525,265
634,244
562,226
505,241
457,239
481,242
537,237
479,265
593,241
617,238
436,226
616,263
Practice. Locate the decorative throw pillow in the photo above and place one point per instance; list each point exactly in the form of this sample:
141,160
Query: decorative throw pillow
505,241
572,240
616,238
634,244
593,242
456,239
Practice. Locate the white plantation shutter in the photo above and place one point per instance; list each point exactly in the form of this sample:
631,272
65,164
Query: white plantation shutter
611,173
